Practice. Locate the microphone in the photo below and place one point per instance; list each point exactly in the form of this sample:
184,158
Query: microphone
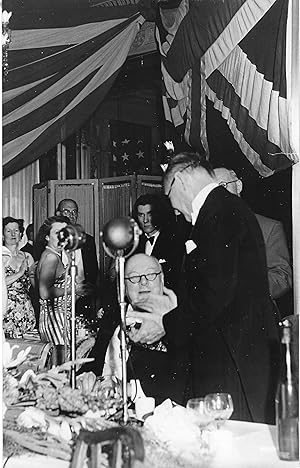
71,237
120,234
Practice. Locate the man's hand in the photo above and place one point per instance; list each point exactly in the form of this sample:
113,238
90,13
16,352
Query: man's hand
155,302
151,329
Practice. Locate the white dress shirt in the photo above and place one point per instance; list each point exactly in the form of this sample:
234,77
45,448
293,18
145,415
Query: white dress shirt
199,200
149,247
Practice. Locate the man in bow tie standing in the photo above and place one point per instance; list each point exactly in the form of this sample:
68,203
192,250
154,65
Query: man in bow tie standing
159,237
224,315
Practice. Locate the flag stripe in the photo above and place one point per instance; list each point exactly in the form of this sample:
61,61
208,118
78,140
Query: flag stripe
44,38
47,100
66,58
235,54
67,17
57,84
37,142
239,26
257,95
45,112
254,135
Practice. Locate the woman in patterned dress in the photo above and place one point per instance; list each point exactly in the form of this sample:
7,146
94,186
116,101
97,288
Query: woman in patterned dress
18,318
52,277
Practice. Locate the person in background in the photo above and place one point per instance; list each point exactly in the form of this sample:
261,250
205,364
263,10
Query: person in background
52,280
277,253
28,247
86,261
159,237
225,316
18,318
33,293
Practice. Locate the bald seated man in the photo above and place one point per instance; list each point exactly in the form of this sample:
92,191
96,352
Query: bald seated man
277,253
155,365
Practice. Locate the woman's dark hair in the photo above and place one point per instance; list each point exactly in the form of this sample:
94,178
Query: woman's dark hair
162,212
10,219
44,231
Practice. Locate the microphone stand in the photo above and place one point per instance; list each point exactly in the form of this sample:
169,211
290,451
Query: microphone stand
119,254
121,289
73,272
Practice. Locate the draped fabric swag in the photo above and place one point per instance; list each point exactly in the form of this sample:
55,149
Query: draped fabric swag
63,61
62,64
232,53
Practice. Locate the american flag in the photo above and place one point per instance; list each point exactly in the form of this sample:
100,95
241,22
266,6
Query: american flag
130,148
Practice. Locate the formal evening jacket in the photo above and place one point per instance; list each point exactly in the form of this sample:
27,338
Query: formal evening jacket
89,260
169,252
225,316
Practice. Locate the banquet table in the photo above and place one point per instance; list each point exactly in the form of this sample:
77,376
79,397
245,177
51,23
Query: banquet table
240,445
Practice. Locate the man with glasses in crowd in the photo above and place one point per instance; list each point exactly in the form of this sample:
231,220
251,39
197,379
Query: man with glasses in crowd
85,260
224,317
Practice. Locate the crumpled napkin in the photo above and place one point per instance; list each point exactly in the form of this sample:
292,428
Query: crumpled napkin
173,426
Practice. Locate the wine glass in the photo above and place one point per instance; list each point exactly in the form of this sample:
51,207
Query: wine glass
197,410
199,415
219,406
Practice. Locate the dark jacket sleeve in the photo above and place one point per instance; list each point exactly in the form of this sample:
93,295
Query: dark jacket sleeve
89,258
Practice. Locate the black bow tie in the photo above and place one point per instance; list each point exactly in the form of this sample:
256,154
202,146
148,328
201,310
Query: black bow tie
151,239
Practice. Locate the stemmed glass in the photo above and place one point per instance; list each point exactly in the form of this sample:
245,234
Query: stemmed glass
219,406
199,415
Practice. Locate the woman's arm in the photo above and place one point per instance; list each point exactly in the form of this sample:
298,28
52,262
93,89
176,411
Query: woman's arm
47,276
15,276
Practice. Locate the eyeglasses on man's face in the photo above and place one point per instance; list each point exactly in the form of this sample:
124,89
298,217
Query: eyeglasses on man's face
174,177
224,184
138,278
68,212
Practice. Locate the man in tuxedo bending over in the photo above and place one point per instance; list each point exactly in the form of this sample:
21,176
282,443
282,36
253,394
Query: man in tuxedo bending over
85,260
225,316
159,237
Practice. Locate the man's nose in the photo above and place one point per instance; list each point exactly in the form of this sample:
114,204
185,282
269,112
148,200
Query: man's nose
144,280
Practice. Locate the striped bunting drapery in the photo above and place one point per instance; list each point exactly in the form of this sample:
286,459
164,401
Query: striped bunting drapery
62,62
232,53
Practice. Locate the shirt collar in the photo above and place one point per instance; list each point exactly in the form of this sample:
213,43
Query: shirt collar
153,235
199,200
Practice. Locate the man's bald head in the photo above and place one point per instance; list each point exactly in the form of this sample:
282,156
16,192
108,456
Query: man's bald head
69,208
136,269
229,180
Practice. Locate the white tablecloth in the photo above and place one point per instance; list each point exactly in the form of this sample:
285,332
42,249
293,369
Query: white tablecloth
240,445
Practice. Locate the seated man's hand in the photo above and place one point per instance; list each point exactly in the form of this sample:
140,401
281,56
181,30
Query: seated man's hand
151,302
151,329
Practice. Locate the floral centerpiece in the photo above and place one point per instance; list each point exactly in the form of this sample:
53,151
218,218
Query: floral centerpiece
44,414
